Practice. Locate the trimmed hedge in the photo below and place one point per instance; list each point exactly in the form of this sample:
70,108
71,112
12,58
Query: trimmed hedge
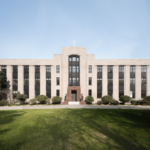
89,99
114,102
99,102
42,99
147,98
21,97
33,101
125,98
3,102
56,100
106,99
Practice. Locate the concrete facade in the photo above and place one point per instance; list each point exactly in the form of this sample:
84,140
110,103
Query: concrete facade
85,61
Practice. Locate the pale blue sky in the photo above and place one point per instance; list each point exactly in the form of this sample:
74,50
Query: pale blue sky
110,29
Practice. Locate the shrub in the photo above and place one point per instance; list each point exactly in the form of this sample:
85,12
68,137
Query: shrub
133,102
89,99
21,97
33,101
42,99
147,98
114,102
56,100
106,99
48,101
3,102
125,98
99,102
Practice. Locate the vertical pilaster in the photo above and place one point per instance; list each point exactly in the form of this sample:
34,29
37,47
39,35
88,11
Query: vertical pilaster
116,82
42,80
127,80
31,82
104,81
10,82
20,79
148,80
138,82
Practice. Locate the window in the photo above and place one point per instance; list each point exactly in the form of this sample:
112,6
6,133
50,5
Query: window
90,69
57,81
48,81
4,84
57,69
57,92
74,71
132,81
90,80
90,92
26,80
15,81
110,81
121,81
99,81
143,81
37,81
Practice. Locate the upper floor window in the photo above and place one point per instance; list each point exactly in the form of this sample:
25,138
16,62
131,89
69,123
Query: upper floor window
90,69
37,69
48,68
90,80
57,81
132,68
110,69
57,69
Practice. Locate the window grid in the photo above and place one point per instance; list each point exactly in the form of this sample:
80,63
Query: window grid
15,81
48,81
110,81
132,81
90,69
99,81
143,81
90,80
121,81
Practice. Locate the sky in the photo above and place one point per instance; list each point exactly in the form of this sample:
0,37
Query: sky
110,29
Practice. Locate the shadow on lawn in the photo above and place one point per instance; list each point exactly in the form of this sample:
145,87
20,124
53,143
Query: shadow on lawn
101,121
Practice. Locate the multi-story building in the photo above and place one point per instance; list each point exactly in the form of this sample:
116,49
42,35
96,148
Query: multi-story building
73,75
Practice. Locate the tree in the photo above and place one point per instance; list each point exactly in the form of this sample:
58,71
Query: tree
89,99
42,98
21,97
56,100
125,98
106,99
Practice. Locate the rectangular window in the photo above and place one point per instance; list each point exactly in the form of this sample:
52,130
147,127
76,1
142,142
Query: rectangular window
90,69
4,69
37,81
132,81
99,81
143,81
15,81
57,81
110,81
26,80
121,81
57,69
90,92
90,80
48,81
57,92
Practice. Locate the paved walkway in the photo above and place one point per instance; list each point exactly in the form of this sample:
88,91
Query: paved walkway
72,107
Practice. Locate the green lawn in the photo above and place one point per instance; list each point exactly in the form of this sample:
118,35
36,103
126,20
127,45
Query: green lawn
75,129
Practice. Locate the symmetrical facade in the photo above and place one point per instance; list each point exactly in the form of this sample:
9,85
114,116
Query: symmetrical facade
73,75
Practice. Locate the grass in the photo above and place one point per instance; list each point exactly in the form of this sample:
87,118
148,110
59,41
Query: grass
75,129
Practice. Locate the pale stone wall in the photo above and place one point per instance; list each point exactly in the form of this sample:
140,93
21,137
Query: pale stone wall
85,61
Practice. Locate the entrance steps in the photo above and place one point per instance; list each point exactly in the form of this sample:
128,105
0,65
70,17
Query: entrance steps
74,103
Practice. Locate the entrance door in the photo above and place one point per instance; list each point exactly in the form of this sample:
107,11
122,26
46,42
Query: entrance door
73,96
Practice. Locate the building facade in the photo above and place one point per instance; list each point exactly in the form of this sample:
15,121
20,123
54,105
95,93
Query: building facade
73,75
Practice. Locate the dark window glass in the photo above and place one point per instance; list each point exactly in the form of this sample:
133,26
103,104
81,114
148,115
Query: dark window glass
99,81
132,81
37,81
57,92
143,81
121,81
74,71
26,80
90,80
4,84
48,81
57,81
90,69
57,69
110,81
90,92
15,81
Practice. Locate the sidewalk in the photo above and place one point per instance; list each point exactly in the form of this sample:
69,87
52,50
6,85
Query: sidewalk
73,107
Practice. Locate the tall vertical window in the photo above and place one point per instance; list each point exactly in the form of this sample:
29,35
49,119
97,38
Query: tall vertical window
90,92
90,69
121,81
90,80
74,70
99,81
4,69
15,81
26,80
48,81
110,81
57,69
57,93
37,81
132,81
57,81
143,81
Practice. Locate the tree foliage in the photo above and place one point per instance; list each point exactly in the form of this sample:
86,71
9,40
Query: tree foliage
125,98
56,100
89,99
42,98
21,97
106,99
